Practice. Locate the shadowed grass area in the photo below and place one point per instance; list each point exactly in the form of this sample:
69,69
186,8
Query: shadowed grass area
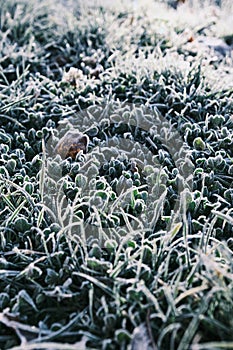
130,283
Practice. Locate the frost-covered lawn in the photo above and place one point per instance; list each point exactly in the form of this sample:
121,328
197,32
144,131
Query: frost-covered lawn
84,265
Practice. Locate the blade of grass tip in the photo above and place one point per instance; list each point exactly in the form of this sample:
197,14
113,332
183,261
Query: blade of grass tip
169,294
190,292
212,345
185,224
8,202
78,237
142,287
99,284
75,238
2,239
52,346
15,213
175,228
128,225
59,332
41,214
123,194
84,242
60,203
25,193
91,301
210,227
139,265
21,76
6,80
71,238
40,217
7,107
101,232
44,244
158,209
223,245
118,265
42,171
222,216
65,228
12,120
